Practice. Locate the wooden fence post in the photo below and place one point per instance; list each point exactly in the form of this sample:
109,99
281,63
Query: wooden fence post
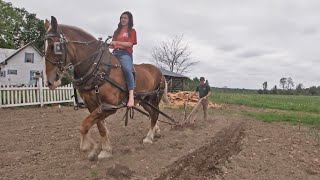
0,96
41,91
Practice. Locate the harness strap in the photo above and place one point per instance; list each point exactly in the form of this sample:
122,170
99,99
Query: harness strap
141,111
113,83
130,112
89,57
110,107
155,108
89,73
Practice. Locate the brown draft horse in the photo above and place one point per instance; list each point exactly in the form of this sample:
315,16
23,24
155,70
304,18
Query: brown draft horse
97,75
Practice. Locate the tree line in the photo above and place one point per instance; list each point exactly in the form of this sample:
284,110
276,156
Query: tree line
287,87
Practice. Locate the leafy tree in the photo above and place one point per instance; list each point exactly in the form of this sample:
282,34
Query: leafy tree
8,17
18,26
318,90
313,90
299,88
173,55
274,90
191,84
196,79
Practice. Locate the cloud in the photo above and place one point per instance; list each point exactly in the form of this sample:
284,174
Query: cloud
310,31
238,43
228,47
253,53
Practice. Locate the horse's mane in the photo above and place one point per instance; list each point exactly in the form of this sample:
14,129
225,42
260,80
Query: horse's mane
85,36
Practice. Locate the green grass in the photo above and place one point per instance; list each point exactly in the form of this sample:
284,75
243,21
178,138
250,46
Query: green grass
293,109
290,117
282,102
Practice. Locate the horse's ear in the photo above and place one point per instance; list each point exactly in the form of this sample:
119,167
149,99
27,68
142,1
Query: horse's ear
54,23
46,24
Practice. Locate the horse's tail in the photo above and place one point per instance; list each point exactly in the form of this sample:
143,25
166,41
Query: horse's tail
165,93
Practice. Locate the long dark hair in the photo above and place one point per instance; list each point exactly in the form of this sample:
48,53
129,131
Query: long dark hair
130,25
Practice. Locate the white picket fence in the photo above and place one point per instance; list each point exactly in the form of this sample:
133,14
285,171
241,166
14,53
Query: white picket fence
11,96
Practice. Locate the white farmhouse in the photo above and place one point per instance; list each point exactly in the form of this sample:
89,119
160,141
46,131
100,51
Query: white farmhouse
20,66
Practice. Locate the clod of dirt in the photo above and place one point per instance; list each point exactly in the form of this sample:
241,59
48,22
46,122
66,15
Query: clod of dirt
120,172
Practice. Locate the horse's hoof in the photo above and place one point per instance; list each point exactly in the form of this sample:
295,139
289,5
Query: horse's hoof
92,156
147,140
157,135
104,155
85,147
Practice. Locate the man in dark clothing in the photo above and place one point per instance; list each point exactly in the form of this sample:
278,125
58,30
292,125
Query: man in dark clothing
204,92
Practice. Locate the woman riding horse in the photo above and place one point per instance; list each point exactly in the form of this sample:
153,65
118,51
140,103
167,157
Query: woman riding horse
123,40
100,81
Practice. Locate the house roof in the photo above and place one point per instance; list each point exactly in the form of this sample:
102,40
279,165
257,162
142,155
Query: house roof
172,74
14,52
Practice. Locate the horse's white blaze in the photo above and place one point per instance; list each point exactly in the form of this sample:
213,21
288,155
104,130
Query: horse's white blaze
46,46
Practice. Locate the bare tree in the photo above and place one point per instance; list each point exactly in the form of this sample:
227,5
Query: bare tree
173,55
283,82
290,83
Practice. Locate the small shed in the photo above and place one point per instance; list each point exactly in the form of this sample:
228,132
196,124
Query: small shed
175,81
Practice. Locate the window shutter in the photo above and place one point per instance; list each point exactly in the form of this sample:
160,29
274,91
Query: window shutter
3,74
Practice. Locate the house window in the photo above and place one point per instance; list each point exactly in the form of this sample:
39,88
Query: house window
15,72
2,73
29,57
33,75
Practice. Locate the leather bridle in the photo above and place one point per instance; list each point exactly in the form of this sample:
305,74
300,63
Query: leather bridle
60,48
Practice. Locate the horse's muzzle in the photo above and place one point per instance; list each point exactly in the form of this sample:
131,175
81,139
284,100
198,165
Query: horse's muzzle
48,84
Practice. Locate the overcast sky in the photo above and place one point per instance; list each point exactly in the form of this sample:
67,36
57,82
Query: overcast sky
239,43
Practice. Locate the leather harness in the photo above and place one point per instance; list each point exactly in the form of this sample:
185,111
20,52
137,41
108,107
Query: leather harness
97,74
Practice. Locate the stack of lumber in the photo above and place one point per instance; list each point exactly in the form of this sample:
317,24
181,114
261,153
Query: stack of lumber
179,98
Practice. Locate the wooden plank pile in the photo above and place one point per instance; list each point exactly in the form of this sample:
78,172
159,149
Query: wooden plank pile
179,98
